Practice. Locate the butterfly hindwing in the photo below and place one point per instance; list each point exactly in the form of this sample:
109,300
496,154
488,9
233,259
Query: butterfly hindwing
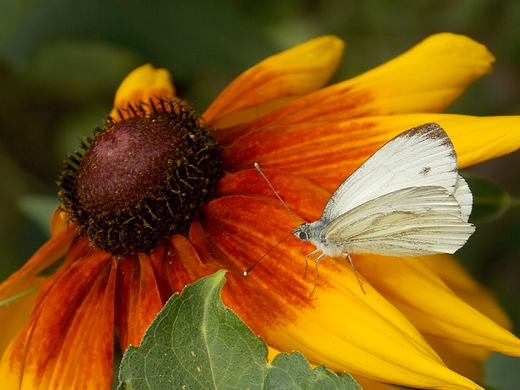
408,222
464,196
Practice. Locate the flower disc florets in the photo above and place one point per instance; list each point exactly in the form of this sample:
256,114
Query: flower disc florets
141,178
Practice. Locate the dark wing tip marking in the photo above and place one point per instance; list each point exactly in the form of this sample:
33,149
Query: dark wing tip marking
431,130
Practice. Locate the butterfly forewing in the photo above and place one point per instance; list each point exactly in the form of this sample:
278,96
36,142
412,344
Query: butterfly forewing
422,156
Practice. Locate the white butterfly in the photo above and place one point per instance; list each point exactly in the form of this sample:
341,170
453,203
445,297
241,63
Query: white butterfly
407,199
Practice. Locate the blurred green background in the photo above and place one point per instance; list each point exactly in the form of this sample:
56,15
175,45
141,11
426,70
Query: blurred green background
61,61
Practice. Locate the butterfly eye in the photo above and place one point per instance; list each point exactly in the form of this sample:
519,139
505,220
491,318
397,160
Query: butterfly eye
303,236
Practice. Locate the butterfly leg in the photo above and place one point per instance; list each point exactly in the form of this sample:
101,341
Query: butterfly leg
347,255
307,262
317,272
306,266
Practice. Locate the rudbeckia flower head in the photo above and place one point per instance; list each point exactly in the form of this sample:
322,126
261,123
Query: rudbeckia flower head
121,191
162,197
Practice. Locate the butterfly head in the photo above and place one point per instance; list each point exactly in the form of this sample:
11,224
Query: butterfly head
308,232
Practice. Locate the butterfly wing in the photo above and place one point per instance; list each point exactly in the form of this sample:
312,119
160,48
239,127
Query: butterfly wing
464,197
411,221
422,156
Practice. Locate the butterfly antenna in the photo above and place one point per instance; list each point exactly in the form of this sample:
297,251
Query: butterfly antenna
276,193
247,271
355,272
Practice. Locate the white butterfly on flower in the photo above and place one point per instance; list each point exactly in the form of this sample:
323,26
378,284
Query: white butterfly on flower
407,199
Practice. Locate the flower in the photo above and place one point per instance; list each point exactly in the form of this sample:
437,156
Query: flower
307,139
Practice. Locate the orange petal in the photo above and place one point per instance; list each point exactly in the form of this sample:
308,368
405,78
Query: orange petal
182,264
427,78
142,84
138,299
276,81
339,325
68,342
328,153
436,310
324,154
14,315
289,187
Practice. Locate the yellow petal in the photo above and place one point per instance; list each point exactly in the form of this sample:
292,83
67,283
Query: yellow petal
271,353
276,81
427,78
467,288
465,359
142,84
363,334
435,310
476,139
368,384
462,358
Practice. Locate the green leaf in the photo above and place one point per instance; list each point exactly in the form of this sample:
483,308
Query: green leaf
196,342
490,201
293,372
